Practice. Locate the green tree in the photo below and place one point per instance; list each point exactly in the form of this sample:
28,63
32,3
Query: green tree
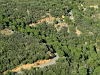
63,72
97,71
82,70
55,21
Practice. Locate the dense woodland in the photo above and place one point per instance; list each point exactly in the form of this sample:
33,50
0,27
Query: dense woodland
79,54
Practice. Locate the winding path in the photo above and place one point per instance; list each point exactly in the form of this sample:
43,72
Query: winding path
42,64
53,61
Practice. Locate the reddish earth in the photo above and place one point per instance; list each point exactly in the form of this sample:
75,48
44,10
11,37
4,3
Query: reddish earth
40,63
48,19
28,66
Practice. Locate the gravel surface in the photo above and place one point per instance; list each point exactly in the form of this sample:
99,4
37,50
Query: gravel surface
51,62
47,64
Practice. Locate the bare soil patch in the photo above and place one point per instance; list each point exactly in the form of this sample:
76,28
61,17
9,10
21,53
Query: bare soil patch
60,25
68,30
78,32
85,43
6,32
94,6
91,33
48,19
96,16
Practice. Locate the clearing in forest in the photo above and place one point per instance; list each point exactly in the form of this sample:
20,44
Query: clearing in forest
51,20
48,20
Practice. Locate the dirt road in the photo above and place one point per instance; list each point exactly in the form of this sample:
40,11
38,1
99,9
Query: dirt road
42,63
53,61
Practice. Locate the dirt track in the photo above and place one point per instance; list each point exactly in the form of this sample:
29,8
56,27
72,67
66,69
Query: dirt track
53,61
40,63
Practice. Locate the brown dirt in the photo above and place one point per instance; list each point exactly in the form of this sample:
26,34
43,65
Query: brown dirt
28,66
6,32
85,43
33,24
68,30
48,19
95,6
63,16
91,33
28,12
96,16
78,32
51,19
60,26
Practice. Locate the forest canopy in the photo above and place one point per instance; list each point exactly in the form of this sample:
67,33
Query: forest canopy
73,31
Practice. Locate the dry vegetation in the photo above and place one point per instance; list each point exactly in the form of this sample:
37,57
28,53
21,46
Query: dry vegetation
91,33
68,30
60,25
94,6
6,32
78,32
